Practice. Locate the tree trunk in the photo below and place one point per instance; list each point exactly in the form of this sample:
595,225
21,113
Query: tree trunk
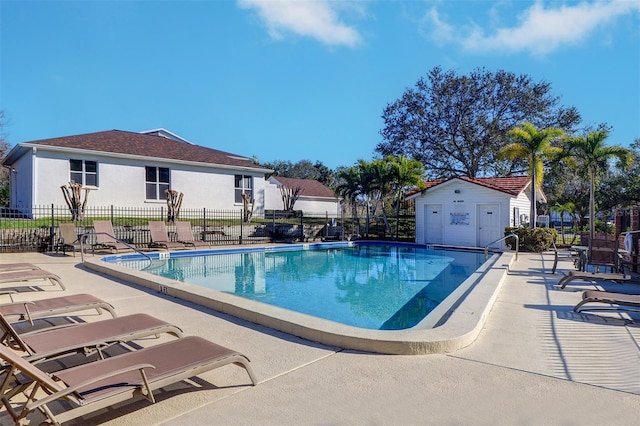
592,205
533,213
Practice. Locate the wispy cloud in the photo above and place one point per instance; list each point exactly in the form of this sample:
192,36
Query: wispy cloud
540,30
317,19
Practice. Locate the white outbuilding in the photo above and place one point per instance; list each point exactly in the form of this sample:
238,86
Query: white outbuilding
472,212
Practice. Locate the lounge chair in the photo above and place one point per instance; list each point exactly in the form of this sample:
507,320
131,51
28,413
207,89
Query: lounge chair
53,342
21,311
185,235
592,276
603,253
68,240
9,267
572,255
613,301
333,233
160,237
30,277
105,237
91,387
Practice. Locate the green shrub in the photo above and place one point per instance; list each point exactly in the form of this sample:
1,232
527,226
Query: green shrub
535,240
603,227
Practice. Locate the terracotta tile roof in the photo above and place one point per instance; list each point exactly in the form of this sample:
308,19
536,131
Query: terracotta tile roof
512,185
310,187
147,145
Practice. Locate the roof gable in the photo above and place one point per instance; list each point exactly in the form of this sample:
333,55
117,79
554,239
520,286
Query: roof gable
154,145
310,187
512,185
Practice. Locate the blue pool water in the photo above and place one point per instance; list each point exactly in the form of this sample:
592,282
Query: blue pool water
374,286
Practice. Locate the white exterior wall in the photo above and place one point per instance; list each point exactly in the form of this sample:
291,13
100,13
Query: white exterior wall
21,183
523,205
273,198
50,173
123,183
318,206
466,201
312,206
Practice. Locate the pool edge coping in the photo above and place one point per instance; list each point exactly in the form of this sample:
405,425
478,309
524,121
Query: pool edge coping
460,329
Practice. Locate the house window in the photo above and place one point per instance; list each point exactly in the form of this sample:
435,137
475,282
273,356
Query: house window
243,184
157,182
83,172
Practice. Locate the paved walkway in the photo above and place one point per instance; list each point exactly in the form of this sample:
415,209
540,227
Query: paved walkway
535,362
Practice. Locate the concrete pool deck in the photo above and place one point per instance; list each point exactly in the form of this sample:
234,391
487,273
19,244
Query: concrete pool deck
534,362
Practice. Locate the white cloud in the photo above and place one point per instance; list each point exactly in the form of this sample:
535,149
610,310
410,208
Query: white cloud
540,29
317,19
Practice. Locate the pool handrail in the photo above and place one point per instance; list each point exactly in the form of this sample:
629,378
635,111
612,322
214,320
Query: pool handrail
82,238
486,249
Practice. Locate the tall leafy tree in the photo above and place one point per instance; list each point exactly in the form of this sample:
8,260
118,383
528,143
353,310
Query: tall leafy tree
455,125
4,172
303,169
620,189
592,152
533,145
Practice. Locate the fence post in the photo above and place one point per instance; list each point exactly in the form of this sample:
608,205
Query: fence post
204,224
301,227
51,229
241,226
111,213
326,224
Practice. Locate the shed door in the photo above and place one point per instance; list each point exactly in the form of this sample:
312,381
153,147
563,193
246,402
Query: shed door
433,223
488,224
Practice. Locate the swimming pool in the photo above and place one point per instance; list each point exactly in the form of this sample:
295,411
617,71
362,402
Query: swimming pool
450,322
375,286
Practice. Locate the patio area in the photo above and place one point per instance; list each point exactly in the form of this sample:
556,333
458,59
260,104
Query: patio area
535,362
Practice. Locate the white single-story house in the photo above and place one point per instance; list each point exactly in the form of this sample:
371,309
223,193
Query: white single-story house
132,169
470,212
315,199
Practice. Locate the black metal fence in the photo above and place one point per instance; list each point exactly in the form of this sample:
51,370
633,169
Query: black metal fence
37,228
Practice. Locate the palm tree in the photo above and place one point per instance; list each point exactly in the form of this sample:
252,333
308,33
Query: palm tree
371,175
405,173
533,145
349,188
591,150
384,174
567,207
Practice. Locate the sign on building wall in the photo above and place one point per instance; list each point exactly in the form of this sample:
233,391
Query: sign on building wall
459,218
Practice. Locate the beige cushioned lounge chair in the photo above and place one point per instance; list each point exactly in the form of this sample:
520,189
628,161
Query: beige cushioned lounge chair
69,239
7,267
53,342
592,276
607,301
185,235
30,277
30,310
106,237
160,237
91,387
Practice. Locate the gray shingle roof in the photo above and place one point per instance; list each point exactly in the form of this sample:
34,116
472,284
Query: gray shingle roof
310,187
147,145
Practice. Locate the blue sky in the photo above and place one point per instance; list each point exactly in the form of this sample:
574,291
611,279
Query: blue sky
293,80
